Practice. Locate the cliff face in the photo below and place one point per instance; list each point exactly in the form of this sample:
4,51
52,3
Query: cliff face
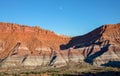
99,47
33,46
29,37
110,32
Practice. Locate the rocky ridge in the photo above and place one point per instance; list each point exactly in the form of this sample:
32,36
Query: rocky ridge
33,46
31,38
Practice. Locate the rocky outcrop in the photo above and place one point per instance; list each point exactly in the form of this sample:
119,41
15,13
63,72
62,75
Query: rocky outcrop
29,37
24,41
100,46
24,46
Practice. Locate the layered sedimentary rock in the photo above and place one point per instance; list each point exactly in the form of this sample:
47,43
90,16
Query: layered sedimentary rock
32,46
30,38
20,41
99,47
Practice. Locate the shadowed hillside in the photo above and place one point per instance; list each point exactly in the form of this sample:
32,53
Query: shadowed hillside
23,46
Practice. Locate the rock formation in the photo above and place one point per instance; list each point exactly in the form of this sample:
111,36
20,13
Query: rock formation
100,46
24,46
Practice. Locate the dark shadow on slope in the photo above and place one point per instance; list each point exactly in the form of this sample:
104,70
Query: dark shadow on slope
25,57
91,39
10,53
90,59
85,40
15,53
112,64
53,58
70,44
91,50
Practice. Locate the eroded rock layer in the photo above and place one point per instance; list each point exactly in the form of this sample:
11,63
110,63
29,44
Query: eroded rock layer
32,46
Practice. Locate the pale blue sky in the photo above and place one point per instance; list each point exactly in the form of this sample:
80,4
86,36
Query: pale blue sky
69,17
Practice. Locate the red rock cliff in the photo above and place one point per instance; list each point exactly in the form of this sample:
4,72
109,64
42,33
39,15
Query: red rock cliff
36,46
30,37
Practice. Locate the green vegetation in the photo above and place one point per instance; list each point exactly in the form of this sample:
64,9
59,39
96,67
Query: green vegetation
71,69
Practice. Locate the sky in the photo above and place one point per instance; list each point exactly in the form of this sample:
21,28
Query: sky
67,17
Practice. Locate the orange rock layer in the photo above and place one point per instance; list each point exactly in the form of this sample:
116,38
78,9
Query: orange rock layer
30,37
99,46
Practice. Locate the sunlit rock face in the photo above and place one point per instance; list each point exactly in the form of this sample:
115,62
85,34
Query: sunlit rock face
25,46
100,46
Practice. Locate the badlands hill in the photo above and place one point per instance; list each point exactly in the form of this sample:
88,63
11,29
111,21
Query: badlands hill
100,46
32,38
108,32
33,46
